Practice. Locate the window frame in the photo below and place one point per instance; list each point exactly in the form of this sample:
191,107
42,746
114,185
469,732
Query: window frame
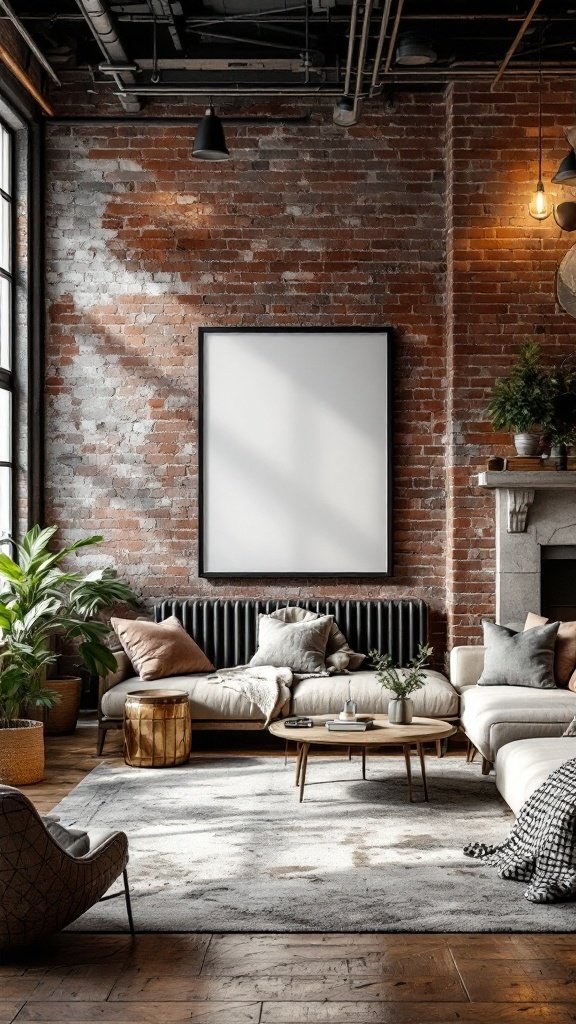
7,376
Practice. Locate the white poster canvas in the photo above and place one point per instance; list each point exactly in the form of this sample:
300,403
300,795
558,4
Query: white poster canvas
295,452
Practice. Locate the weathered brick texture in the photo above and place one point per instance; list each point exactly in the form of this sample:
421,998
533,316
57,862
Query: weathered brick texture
307,225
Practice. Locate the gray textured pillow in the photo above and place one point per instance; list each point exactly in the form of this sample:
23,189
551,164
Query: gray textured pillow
339,654
300,646
519,659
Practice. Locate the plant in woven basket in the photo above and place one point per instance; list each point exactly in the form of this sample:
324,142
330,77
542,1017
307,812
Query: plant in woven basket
38,599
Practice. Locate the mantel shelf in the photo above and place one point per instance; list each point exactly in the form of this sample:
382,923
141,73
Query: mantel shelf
521,488
540,479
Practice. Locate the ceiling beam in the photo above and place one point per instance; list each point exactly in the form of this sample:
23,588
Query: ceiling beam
163,9
515,43
22,31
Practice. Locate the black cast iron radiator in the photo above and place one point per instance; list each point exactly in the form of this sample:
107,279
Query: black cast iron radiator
227,630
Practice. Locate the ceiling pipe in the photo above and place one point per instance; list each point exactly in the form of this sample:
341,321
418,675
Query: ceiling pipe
364,38
23,32
99,19
516,43
163,9
393,37
380,45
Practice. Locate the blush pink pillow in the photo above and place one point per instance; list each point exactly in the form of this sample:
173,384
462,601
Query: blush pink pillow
565,650
160,649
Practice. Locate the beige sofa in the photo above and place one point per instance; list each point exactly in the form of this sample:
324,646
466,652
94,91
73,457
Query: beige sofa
214,706
494,716
522,766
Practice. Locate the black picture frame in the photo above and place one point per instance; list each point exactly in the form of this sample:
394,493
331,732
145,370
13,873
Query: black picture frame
204,570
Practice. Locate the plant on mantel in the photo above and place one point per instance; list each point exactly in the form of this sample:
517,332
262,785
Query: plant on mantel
39,599
560,428
523,402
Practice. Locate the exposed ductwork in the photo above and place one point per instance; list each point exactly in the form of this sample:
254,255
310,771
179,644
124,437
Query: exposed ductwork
99,18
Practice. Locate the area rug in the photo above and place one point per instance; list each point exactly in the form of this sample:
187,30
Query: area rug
222,844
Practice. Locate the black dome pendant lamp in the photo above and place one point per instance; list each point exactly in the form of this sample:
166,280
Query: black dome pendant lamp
210,143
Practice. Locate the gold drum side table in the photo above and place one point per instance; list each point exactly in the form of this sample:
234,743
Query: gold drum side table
157,728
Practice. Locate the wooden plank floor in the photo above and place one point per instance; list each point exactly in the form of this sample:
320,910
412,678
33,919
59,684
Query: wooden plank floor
278,979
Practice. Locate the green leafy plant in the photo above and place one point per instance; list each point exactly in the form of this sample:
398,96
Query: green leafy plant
560,427
39,599
524,399
413,676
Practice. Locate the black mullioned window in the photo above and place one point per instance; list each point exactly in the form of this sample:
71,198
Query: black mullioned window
6,331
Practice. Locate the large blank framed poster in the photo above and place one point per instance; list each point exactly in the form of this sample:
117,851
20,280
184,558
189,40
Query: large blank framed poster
295,452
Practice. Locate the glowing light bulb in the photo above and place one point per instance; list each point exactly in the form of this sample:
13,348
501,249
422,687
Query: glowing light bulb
538,207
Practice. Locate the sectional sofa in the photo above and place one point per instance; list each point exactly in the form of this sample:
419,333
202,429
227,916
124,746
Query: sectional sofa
495,716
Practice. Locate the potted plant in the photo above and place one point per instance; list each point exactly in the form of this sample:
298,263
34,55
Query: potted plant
522,402
402,682
39,599
560,427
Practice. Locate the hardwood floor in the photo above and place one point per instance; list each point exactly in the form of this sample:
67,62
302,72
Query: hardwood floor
278,979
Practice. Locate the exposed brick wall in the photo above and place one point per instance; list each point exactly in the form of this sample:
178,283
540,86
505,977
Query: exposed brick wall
307,225
501,282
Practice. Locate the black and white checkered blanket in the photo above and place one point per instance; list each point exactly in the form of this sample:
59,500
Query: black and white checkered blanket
541,848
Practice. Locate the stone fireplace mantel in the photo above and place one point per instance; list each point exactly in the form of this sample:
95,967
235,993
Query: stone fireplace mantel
533,510
521,489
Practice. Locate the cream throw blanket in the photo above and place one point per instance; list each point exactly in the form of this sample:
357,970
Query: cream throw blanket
264,685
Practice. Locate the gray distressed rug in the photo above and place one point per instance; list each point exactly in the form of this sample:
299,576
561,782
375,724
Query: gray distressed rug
222,844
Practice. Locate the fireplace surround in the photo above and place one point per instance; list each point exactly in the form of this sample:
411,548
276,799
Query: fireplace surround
535,526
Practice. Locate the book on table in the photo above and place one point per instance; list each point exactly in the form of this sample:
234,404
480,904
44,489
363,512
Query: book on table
339,725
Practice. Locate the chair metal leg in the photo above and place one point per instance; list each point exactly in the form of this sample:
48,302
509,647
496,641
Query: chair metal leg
128,902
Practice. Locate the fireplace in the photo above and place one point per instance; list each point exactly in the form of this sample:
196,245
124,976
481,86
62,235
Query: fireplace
558,581
535,543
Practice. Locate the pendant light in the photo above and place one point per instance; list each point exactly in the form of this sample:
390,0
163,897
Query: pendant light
538,207
210,143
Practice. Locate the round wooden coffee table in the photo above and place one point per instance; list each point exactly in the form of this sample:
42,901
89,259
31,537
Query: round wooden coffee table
382,734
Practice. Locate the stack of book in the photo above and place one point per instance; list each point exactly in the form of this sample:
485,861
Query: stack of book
350,725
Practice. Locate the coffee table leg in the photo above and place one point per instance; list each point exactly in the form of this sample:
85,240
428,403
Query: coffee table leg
363,762
298,763
407,753
303,763
422,757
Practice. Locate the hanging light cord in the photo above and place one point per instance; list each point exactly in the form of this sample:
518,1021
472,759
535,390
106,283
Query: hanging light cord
540,105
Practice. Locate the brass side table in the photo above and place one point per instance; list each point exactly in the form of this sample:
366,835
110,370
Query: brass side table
157,728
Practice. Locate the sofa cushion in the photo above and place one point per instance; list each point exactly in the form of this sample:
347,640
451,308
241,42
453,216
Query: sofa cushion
436,699
524,765
565,650
519,659
339,654
495,715
160,649
209,699
300,646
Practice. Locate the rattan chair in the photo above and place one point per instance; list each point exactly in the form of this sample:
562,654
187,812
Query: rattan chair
42,887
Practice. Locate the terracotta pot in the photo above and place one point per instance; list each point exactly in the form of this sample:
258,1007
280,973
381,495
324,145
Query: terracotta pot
22,753
62,719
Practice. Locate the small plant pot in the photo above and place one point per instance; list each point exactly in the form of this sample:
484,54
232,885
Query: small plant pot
21,753
560,455
62,719
400,711
527,444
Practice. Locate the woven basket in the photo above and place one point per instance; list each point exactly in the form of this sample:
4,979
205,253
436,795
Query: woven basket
63,717
22,753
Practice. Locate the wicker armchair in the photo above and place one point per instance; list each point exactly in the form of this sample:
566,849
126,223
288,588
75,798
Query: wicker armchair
42,887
